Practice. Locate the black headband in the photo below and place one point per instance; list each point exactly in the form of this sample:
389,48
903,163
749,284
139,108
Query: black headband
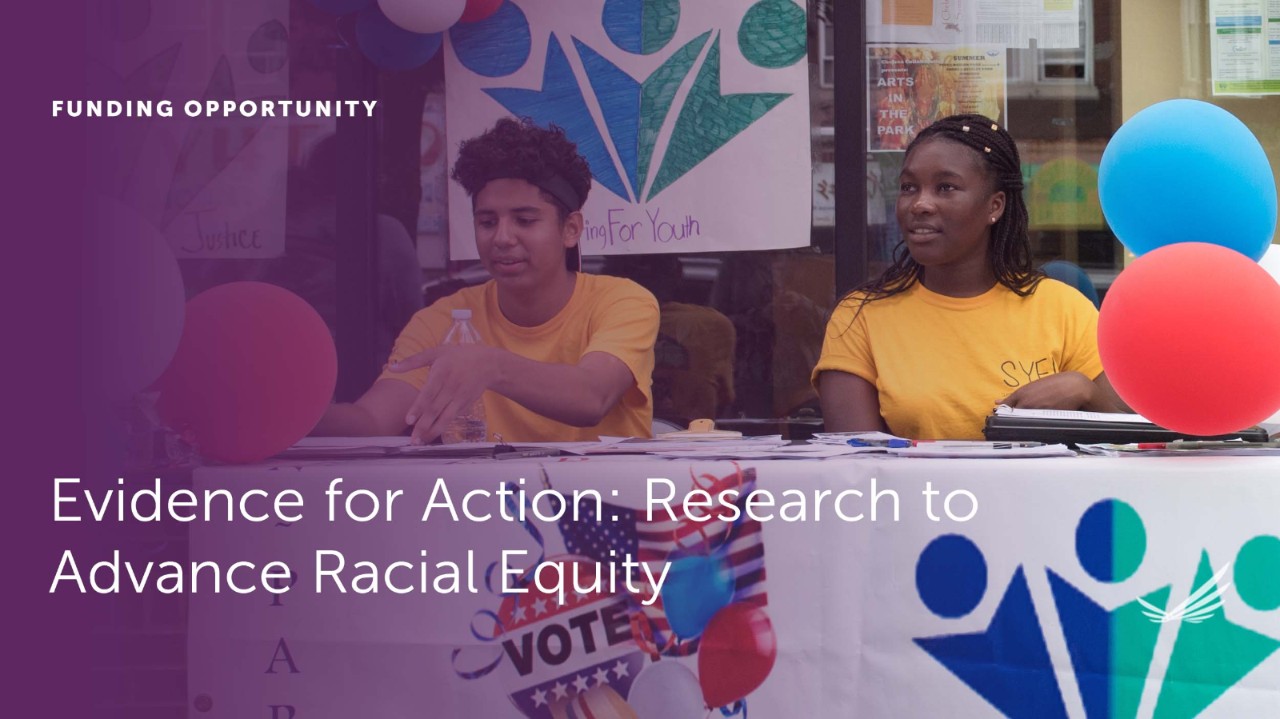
553,184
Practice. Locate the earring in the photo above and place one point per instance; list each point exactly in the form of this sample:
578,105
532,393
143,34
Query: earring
993,220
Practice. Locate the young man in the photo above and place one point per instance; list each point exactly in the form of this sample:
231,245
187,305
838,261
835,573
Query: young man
567,356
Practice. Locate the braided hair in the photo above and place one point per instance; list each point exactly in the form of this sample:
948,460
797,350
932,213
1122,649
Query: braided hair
1010,254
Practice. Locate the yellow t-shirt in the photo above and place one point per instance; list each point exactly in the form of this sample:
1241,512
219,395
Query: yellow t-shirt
939,363
604,314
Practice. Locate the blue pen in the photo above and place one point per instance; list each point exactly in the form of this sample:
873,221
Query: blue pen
889,443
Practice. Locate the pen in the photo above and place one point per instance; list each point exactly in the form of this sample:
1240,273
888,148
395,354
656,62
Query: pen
890,443
973,444
1209,444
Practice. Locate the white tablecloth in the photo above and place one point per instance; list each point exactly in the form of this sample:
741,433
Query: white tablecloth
847,600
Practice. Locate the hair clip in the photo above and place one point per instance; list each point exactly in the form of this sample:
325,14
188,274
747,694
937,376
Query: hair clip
964,128
986,149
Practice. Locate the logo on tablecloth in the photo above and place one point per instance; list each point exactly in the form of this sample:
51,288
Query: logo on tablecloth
1111,651
1201,605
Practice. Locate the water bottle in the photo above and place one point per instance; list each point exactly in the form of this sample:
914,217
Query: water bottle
469,425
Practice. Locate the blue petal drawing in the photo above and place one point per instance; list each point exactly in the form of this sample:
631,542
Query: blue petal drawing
708,120
496,46
560,102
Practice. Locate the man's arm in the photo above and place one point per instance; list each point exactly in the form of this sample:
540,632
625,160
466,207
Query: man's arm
379,412
580,395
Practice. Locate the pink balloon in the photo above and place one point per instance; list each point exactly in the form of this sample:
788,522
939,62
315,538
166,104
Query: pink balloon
478,10
1189,335
254,372
736,653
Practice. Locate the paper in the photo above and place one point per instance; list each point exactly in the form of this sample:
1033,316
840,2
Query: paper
372,447
982,450
795,451
662,447
842,438
1244,47
1007,411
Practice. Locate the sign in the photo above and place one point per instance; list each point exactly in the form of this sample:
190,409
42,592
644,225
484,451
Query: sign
694,117
1244,46
1010,23
214,184
911,86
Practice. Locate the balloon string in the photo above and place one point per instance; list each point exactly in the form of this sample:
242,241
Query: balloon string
713,485
738,707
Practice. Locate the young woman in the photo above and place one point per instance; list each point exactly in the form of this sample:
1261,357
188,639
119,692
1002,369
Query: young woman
961,321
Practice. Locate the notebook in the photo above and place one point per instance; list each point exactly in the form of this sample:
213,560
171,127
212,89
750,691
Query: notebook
1073,427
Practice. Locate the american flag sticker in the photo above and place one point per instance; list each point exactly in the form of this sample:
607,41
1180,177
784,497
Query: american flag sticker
664,539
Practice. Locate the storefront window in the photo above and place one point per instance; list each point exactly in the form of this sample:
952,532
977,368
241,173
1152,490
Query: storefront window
742,329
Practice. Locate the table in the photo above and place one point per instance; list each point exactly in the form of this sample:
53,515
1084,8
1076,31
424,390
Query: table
1027,608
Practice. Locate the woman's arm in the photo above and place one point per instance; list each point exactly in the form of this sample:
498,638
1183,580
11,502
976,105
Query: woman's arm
1067,390
849,403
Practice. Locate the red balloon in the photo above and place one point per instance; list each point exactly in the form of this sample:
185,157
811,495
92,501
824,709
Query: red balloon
1189,335
478,10
735,654
253,373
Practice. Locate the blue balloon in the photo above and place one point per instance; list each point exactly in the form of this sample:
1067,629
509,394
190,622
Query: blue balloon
695,589
1188,171
1072,274
390,46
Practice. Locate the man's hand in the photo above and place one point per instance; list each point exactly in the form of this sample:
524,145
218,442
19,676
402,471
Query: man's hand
1062,390
459,376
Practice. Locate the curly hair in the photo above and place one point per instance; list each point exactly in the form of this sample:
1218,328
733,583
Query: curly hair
1010,255
521,149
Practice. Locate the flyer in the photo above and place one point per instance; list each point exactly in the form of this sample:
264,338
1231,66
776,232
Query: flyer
911,86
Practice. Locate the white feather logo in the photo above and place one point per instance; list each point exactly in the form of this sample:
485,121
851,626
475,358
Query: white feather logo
1201,605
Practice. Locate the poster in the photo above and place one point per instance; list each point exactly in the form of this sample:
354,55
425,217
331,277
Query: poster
213,184
1244,46
1062,184
693,116
1012,23
1016,23
911,86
